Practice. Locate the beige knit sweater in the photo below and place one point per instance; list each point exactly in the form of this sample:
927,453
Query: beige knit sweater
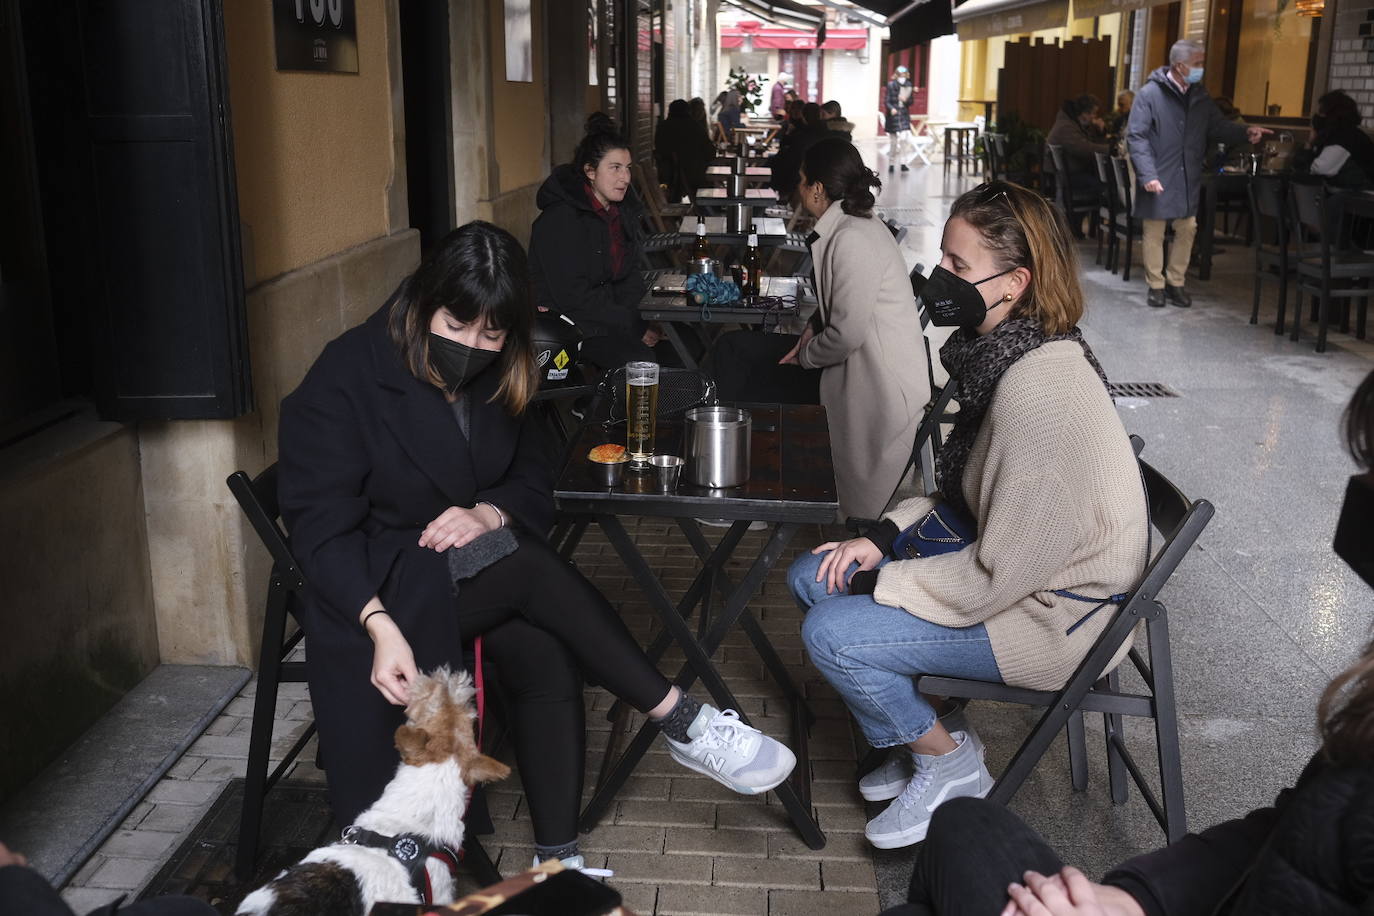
1055,488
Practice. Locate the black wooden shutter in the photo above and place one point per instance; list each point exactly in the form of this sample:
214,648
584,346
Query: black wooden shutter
168,309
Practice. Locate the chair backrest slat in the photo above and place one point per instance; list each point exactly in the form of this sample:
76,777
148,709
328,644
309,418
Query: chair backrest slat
1125,188
257,497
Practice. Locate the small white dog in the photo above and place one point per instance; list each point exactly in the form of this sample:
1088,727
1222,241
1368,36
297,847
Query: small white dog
408,841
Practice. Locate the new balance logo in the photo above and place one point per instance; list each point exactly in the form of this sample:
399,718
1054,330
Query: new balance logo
714,762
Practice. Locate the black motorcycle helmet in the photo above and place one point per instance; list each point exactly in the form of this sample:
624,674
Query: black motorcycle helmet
557,343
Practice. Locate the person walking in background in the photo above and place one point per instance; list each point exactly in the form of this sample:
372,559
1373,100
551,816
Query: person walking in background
1173,121
777,103
897,119
697,108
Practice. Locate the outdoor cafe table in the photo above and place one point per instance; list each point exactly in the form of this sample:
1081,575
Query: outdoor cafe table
791,483
758,198
1214,187
675,310
751,172
772,231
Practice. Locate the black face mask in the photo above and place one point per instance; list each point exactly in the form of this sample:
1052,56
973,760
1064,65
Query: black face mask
457,364
954,302
1354,534
1319,123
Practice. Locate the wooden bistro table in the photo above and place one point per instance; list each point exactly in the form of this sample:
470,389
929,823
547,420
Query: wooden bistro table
791,483
782,297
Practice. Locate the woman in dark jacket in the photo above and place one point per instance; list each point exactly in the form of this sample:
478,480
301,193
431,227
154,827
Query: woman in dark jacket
1311,852
585,250
417,499
682,149
1342,152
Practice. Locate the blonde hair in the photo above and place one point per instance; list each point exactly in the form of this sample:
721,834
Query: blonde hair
1022,229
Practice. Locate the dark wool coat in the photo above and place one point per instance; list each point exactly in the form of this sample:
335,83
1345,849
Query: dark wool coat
370,455
1168,136
1312,852
892,98
570,258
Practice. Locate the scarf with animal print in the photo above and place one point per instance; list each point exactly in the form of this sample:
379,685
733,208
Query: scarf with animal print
977,363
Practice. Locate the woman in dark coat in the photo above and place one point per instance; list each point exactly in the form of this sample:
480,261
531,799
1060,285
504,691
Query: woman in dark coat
683,148
417,499
1341,152
1312,851
585,251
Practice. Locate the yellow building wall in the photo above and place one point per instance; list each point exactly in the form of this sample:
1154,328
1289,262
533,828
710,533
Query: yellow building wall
519,110
313,151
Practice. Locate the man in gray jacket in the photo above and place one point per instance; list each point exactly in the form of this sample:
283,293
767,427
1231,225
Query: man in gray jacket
1172,122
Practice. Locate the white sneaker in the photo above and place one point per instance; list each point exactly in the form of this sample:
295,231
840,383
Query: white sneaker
735,755
579,863
938,778
888,779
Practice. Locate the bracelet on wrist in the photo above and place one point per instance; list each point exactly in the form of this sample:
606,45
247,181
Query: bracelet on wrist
500,516
370,614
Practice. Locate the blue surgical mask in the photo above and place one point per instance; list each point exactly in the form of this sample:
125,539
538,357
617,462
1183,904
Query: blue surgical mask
1194,76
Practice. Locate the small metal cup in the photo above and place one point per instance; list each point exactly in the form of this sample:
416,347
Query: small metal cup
609,473
667,468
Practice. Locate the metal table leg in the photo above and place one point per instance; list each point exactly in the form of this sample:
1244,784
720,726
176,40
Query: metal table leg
698,665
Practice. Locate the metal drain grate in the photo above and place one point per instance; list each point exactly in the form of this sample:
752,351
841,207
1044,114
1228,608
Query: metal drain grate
1140,390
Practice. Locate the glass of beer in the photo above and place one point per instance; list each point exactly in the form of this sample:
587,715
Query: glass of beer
641,411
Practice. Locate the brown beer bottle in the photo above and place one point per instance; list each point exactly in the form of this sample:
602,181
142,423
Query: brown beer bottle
752,265
701,249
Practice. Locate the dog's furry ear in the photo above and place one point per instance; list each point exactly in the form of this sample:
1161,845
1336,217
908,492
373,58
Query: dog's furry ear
411,741
482,768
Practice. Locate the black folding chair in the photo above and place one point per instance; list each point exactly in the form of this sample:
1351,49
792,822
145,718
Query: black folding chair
1093,689
1274,257
257,497
1328,266
1107,229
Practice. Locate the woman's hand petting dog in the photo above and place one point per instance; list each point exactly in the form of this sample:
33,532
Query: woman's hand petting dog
393,662
458,526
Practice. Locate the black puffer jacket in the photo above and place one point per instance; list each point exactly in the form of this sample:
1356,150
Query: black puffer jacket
570,258
1312,852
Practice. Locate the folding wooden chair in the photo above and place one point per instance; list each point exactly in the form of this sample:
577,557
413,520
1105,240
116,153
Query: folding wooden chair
1092,688
257,497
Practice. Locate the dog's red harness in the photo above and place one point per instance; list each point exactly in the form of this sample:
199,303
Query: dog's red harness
411,850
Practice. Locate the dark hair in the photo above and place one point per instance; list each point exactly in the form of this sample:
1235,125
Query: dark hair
832,108
1358,424
599,122
1340,109
838,167
811,113
601,138
1345,712
478,272
678,108
1081,105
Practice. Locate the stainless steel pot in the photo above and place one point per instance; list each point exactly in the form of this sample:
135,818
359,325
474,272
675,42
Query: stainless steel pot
718,446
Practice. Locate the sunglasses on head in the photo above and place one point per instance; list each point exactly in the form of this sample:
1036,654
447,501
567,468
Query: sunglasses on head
989,191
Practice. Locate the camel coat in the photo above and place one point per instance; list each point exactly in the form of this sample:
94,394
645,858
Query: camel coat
874,382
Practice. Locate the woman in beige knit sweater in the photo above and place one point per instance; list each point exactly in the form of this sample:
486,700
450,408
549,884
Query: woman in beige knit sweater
1038,467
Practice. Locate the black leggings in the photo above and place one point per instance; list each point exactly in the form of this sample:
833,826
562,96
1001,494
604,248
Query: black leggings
974,849
544,626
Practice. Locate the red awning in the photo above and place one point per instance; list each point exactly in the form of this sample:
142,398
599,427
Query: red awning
789,39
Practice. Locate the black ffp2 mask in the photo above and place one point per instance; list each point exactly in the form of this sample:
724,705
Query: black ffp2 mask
954,302
1355,529
456,363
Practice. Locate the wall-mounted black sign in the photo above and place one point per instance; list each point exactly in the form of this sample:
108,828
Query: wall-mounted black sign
316,35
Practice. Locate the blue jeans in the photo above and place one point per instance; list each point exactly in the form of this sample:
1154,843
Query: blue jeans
871,653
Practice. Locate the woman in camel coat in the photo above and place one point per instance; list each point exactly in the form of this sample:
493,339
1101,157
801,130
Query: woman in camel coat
866,335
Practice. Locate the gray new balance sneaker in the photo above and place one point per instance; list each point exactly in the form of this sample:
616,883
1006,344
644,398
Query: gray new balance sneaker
938,778
733,754
893,774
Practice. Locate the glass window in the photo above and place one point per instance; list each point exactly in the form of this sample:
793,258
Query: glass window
1271,59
